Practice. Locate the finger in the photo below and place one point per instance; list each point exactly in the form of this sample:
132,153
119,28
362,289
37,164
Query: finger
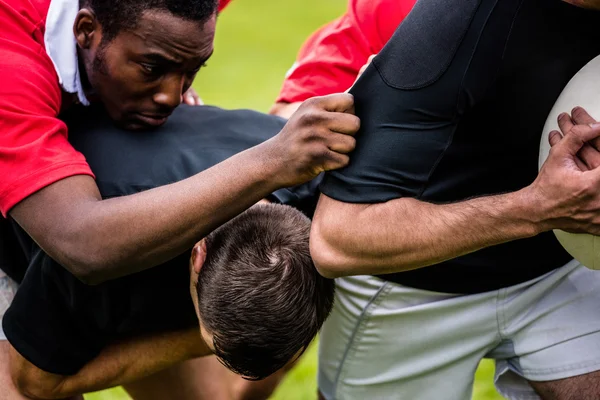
590,156
571,142
188,99
588,133
338,102
341,143
581,117
565,123
195,98
347,124
580,164
335,160
554,138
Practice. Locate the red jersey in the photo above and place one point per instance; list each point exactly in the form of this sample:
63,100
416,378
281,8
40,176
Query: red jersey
34,150
223,4
330,59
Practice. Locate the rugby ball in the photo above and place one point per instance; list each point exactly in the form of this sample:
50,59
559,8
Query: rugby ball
582,90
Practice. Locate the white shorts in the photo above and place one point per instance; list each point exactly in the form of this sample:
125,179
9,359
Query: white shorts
387,341
8,289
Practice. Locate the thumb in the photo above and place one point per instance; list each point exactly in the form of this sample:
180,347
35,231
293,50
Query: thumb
572,142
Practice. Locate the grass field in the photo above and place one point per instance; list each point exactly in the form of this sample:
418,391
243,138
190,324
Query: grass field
256,43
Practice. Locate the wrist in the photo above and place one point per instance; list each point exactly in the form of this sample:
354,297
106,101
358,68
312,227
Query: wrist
271,164
532,210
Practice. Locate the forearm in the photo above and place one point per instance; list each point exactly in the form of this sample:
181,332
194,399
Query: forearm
104,239
99,239
405,234
118,364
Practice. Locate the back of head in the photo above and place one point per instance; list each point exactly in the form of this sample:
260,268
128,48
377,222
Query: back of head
259,294
118,15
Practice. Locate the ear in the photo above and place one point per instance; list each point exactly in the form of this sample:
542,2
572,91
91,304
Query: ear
86,28
199,255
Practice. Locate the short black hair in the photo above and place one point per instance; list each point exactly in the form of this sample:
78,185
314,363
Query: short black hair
118,15
259,293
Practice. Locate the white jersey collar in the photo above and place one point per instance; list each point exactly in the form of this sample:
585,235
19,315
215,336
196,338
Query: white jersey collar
62,47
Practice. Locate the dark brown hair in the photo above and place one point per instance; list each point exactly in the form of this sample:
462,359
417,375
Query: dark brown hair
259,293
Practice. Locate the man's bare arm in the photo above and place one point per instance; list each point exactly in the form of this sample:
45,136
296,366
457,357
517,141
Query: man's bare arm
99,239
118,364
403,234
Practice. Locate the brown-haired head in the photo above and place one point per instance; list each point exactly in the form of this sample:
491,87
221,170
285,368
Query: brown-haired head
260,299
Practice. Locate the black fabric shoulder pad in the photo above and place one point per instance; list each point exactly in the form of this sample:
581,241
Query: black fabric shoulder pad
425,43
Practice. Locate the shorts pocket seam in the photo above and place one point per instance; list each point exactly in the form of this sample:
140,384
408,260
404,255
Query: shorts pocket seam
356,335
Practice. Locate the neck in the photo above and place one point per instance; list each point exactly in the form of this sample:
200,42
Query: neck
197,346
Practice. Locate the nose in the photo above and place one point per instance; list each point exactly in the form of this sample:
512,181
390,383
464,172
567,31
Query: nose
169,93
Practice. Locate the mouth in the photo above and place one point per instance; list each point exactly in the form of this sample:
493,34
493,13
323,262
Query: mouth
153,120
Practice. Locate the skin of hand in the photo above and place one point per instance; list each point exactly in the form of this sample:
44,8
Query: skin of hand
191,98
569,180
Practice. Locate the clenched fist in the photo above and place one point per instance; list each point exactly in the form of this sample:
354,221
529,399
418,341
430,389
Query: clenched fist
317,138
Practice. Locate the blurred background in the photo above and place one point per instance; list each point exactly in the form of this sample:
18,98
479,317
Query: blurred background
256,43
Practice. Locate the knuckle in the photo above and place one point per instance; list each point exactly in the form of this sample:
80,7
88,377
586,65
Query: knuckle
574,137
588,187
356,123
313,103
553,151
311,116
352,144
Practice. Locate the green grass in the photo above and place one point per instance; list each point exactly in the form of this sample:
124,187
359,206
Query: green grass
256,43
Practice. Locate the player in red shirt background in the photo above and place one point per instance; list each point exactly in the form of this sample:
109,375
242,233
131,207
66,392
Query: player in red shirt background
331,58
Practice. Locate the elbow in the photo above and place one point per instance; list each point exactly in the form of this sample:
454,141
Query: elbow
37,389
34,391
90,277
89,271
88,264
330,260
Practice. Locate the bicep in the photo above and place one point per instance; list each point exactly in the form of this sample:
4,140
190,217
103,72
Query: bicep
410,101
403,134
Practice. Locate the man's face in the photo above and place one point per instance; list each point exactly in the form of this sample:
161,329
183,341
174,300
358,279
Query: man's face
591,4
140,75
